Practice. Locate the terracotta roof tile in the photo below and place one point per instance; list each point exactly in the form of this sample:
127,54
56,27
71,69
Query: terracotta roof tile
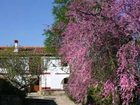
30,49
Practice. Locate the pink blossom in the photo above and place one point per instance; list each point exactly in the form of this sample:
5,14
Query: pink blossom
91,32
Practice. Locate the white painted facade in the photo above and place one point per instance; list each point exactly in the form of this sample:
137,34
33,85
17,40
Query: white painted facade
53,73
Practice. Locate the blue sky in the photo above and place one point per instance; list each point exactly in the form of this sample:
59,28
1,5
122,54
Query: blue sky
24,20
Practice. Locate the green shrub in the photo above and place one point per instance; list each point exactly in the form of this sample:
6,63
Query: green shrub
95,97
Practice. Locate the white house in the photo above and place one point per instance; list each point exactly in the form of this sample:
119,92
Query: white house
54,74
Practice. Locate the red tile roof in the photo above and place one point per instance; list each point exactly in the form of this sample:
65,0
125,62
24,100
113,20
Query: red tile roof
30,49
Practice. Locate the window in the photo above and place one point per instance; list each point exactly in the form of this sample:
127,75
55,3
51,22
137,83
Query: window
64,64
65,80
50,62
44,63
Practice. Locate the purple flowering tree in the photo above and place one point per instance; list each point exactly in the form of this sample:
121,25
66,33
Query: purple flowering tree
101,44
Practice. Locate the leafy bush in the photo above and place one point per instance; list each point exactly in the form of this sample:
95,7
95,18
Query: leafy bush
95,96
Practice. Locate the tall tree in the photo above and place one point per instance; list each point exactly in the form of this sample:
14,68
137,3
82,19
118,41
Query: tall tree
53,33
101,44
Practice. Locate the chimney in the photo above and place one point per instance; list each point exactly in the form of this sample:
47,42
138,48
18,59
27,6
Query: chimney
16,45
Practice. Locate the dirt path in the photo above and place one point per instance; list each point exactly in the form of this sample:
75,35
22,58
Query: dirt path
59,99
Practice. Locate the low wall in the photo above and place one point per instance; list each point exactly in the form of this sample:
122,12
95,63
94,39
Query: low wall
52,92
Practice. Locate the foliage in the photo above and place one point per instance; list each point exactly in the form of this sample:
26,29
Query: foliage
101,44
53,34
59,10
127,71
95,96
50,41
19,68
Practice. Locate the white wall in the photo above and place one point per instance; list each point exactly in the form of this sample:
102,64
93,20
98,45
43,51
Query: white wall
54,74
45,80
